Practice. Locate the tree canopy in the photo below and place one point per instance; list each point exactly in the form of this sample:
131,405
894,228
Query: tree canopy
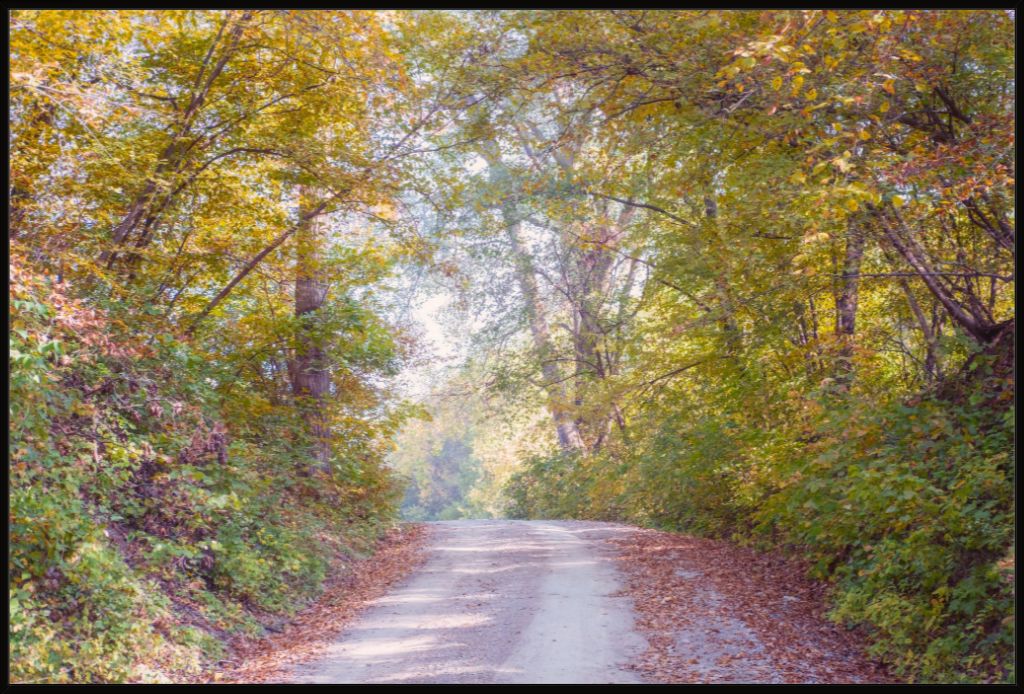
739,273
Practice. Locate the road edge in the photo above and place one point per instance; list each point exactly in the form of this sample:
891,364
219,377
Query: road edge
346,595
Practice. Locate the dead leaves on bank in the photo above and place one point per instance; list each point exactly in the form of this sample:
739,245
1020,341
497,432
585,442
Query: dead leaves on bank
269,659
713,612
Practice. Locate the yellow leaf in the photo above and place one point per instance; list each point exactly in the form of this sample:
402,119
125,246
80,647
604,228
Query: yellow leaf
812,94
884,107
888,86
798,83
777,83
852,205
898,201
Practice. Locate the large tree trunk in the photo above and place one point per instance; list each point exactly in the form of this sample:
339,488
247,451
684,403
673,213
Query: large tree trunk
591,294
846,302
730,328
568,435
311,376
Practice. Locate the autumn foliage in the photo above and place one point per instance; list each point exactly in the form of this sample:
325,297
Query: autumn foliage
746,274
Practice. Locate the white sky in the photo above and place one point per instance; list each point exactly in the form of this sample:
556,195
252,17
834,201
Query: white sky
427,314
439,350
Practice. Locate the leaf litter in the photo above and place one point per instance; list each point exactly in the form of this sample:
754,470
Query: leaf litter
713,612
311,631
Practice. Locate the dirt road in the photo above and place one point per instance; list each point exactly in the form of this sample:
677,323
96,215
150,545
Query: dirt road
496,601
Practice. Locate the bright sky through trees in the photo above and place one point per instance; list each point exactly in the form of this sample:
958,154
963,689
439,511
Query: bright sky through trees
278,274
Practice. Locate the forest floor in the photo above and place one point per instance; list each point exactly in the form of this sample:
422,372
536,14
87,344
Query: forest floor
561,601
713,612
313,630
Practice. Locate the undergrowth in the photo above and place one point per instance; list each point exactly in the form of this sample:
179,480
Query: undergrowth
147,527
906,506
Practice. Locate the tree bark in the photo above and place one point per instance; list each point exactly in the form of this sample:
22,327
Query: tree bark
592,291
895,231
256,260
568,435
311,376
846,302
731,330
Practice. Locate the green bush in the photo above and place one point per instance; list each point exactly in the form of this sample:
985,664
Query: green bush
906,506
909,508
128,496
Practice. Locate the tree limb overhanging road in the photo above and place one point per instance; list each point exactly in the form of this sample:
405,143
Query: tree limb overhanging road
718,305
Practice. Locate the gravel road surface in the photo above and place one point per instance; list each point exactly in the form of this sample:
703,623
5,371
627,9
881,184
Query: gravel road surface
496,601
